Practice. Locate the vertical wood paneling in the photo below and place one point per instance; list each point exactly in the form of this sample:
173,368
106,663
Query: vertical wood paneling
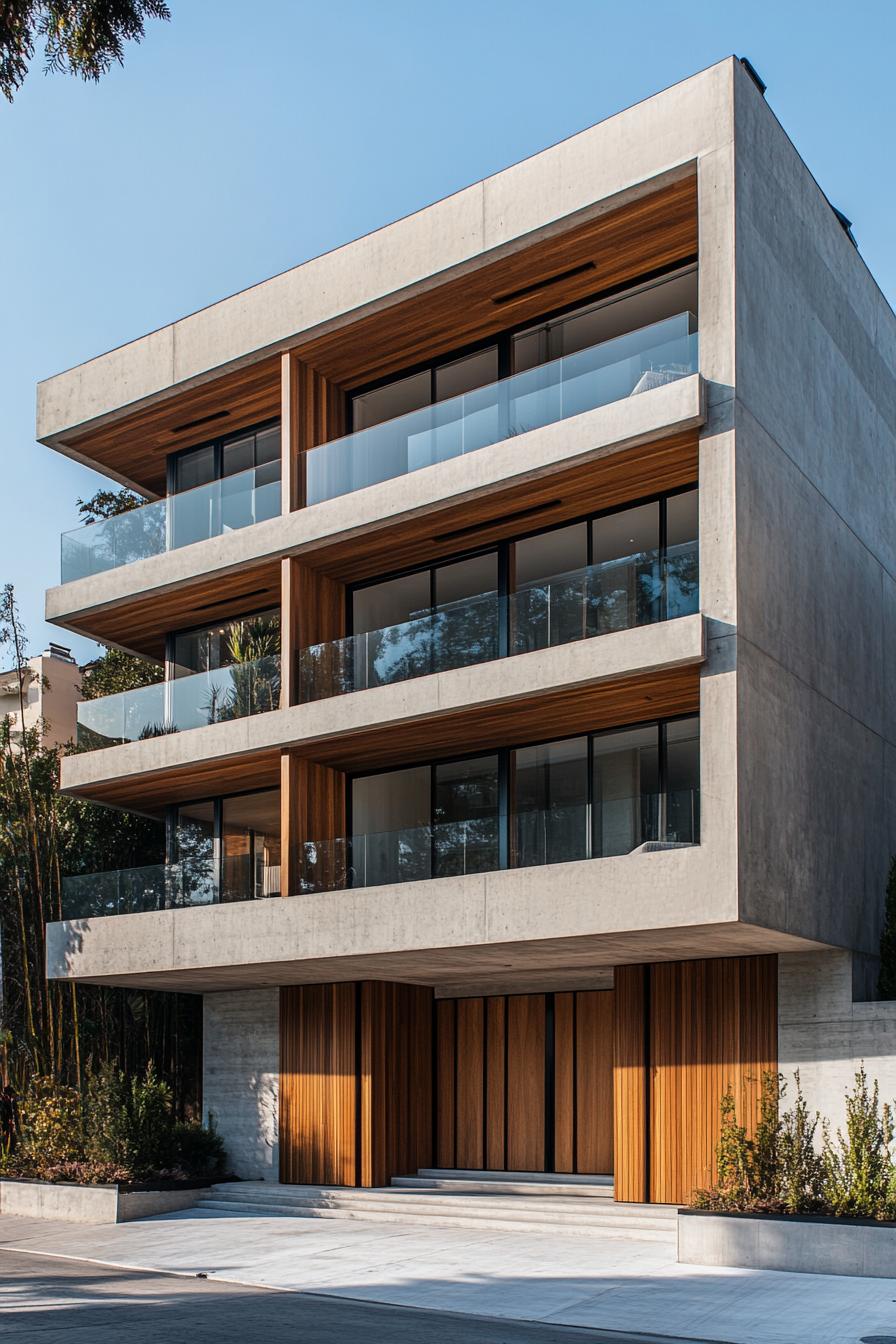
630,1157
317,1084
496,1138
395,1080
446,1011
564,1082
312,808
593,1056
713,1028
470,1147
525,1082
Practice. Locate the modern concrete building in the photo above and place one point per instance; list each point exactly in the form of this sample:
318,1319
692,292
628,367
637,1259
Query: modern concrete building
524,578
51,691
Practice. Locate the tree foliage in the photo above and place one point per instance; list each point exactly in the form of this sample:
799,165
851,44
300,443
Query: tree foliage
108,504
80,37
52,1028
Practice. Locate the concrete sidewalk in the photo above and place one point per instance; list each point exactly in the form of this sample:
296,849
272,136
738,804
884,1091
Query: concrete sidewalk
590,1282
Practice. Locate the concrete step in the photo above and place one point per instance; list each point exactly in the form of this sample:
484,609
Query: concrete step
589,1184
435,1208
472,1222
484,1183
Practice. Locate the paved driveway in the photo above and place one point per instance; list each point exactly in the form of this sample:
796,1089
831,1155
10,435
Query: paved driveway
560,1280
47,1301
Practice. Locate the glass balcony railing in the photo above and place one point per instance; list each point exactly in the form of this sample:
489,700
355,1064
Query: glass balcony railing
596,600
129,891
529,839
184,702
611,371
167,524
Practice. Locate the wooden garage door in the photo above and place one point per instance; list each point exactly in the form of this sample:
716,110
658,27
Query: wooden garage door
524,1082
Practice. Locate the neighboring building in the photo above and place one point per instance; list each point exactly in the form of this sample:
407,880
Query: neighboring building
524,573
52,692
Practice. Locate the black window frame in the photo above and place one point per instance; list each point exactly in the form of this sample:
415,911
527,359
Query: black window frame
217,446
503,338
217,801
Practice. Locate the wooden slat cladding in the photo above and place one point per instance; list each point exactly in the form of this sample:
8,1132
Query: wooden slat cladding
317,1085
597,254
355,1082
526,1082
312,808
686,1032
395,1080
313,607
630,1145
503,1060
138,445
713,1027
588,257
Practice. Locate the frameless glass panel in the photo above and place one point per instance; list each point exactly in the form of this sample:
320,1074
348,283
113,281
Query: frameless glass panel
242,640
550,802
384,403
481,422
625,789
393,630
466,816
391,826
617,368
194,836
465,619
627,581
250,846
682,556
544,612
683,780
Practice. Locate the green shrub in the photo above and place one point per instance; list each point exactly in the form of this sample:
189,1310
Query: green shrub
121,1129
858,1166
200,1150
780,1169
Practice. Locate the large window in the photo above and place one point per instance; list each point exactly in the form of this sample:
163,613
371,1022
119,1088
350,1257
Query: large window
241,474
517,349
626,567
228,849
590,796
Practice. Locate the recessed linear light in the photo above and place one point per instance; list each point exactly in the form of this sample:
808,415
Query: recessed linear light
239,597
543,284
498,522
203,420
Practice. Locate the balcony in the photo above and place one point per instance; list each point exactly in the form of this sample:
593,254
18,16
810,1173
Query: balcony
526,839
224,505
216,696
610,371
655,585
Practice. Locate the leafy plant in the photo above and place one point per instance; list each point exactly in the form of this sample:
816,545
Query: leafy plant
858,1165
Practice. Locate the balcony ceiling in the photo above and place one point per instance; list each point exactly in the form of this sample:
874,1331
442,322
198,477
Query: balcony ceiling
560,267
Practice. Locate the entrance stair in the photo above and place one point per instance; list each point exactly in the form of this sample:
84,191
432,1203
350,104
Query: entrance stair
533,1202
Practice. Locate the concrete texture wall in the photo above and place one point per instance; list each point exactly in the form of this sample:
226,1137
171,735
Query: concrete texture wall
827,1036
815,476
241,1075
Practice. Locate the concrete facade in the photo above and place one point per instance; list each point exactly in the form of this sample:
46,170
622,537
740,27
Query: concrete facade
794,409
240,1076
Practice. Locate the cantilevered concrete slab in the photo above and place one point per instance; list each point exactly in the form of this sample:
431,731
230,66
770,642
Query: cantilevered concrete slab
596,171
325,729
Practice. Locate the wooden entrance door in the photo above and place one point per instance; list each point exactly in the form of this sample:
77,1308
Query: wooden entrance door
523,1082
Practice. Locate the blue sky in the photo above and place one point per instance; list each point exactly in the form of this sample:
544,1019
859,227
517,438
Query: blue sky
240,139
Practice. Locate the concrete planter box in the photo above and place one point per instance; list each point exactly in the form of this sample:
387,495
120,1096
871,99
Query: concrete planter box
800,1243
90,1203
